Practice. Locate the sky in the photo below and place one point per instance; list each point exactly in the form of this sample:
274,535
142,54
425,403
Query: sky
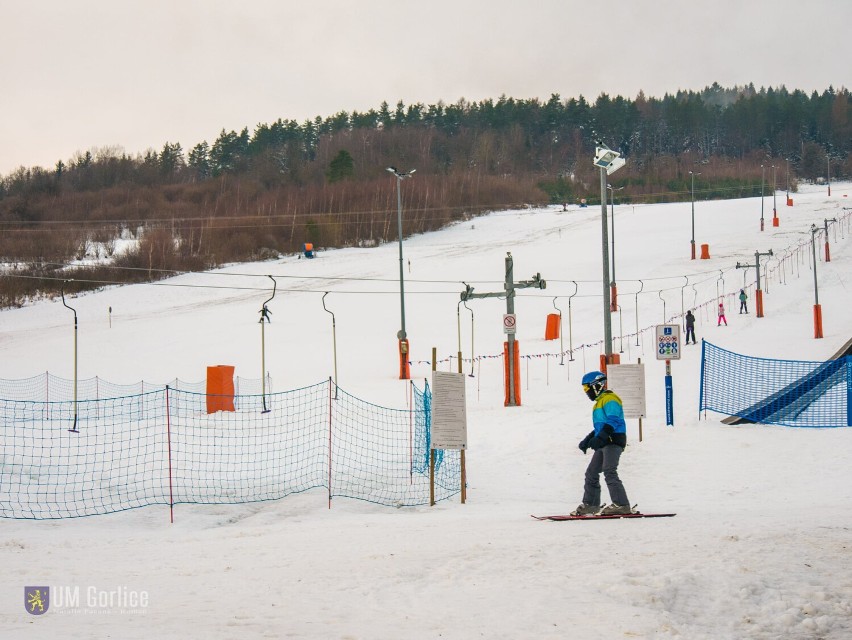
759,547
133,75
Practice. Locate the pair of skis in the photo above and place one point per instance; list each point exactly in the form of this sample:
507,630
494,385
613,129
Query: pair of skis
634,514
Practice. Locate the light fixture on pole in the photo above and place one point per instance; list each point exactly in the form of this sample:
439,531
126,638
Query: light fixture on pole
762,179
404,370
613,302
608,161
692,242
817,307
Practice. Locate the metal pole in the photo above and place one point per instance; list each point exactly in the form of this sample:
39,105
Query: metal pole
774,190
828,172
571,325
401,335
692,242
757,266
636,302
333,341
561,350
605,251
264,318
73,429
762,178
510,341
814,231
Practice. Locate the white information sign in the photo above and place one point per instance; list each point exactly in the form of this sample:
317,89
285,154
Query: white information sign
668,342
449,410
509,322
628,382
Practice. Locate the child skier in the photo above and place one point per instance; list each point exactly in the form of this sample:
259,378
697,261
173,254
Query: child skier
722,317
743,301
607,439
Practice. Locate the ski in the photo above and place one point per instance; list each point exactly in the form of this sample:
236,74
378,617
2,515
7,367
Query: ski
560,518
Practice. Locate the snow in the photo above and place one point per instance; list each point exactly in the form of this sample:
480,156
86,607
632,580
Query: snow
760,545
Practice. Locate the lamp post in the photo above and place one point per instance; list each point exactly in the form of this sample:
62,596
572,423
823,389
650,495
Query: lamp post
693,174
774,203
828,173
613,303
762,178
788,179
817,308
404,371
608,162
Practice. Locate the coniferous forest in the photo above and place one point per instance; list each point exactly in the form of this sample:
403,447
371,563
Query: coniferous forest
252,195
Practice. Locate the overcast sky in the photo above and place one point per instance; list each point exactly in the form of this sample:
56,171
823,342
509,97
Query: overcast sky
134,74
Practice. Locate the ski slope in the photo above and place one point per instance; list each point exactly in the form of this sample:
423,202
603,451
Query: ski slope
760,545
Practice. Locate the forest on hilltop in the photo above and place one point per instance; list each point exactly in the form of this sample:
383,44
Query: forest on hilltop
250,196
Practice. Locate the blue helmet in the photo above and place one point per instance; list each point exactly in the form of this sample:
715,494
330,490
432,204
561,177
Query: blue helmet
594,382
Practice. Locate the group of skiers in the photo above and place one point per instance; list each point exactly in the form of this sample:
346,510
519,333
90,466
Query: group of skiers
608,437
690,318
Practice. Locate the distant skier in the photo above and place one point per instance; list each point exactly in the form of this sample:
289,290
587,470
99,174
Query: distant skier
607,439
690,326
722,317
743,301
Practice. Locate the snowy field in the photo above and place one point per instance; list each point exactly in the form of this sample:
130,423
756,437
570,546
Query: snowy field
760,547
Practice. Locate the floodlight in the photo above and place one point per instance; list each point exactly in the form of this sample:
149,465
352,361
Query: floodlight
615,165
605,157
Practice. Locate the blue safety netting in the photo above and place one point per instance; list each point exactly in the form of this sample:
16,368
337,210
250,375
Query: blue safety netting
64,459
794,393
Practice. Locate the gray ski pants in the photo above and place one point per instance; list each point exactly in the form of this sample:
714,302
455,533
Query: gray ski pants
605,460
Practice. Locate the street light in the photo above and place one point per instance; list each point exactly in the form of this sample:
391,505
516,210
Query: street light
608,161
828,173
404,371
774,203
613,303
693,174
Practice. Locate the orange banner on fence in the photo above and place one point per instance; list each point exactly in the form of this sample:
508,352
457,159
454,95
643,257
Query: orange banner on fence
220,388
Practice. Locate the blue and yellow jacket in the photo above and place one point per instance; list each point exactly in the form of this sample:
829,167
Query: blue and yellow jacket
609,410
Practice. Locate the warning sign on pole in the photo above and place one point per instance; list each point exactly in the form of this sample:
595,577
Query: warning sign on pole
509,322
628,382
449,411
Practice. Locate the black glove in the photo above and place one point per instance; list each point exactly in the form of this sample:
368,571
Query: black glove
603,438
584,443
596,443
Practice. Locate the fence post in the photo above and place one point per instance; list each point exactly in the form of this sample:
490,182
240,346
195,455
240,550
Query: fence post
169,442
329,442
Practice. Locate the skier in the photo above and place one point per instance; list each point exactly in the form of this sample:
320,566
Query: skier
743,301
607,439
690,326
722,317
